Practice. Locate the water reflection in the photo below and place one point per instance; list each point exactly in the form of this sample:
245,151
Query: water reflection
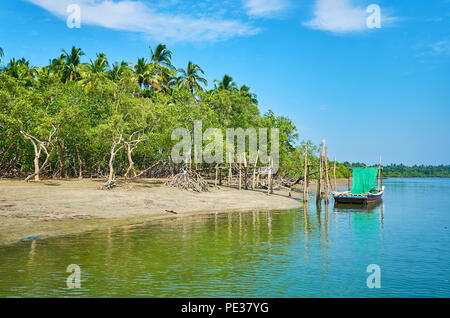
266,254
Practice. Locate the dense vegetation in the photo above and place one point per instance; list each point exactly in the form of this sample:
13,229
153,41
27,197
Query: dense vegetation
400,170
74,119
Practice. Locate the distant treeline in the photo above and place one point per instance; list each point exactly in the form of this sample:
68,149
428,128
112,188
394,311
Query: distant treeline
400,170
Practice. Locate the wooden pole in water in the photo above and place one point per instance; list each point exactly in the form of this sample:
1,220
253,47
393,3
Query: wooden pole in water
348,178
381,175
305,181
327,180
334,174
319,194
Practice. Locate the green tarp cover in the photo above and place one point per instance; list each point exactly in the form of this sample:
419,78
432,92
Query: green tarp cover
363,180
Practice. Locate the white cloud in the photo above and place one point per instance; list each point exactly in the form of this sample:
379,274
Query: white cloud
342,16
265,8
136,16
441,48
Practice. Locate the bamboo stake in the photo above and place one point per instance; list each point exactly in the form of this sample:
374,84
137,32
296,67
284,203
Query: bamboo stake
348,178
254,171
319,194
240,173
245,172
305,182
327,184
229,170
269,175
217,175
334,174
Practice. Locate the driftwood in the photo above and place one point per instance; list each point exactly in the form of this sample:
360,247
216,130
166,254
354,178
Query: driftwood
188,180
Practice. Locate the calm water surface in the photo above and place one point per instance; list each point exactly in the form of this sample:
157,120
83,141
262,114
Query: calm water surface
298,253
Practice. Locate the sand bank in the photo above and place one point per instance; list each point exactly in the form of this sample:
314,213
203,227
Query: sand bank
59,207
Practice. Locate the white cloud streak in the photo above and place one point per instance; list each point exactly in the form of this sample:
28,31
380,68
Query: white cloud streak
136,16
341,16
265,8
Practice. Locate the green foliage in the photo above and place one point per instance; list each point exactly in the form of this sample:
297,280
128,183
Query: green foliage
93,105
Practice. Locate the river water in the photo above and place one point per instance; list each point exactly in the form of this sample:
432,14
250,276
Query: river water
309,252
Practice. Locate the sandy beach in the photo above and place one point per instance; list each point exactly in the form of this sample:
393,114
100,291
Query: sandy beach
58,207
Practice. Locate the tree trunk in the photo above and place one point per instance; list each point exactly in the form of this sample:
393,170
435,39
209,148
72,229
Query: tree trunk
80,174
62,161
36,167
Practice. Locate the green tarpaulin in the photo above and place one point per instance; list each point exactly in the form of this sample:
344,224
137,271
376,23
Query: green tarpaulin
363,180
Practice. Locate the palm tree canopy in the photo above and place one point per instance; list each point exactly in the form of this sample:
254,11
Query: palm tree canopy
191,78
161,56
226,83
71,64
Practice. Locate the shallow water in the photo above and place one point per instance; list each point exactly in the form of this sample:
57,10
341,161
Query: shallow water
298,253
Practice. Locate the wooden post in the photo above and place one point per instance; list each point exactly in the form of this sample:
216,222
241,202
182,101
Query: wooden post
220,176
254,171
229,171
217,175
381,178
327,184
334,174
240,172
269,175
245,172
319,194
348,178
305,181
381,175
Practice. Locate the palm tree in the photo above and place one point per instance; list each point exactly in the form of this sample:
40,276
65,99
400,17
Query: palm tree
71,71
99,65
226,83
1,54
94,70
162,56
191,78
146,75
245,91
21,70
118,70
161,61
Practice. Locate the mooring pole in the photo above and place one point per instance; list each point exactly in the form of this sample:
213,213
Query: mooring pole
327,185
305,181
348,178
334,174
319,194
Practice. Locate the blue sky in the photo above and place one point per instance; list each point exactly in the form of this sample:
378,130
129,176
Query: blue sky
367,92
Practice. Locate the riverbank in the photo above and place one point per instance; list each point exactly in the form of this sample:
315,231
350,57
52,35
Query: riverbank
58,207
